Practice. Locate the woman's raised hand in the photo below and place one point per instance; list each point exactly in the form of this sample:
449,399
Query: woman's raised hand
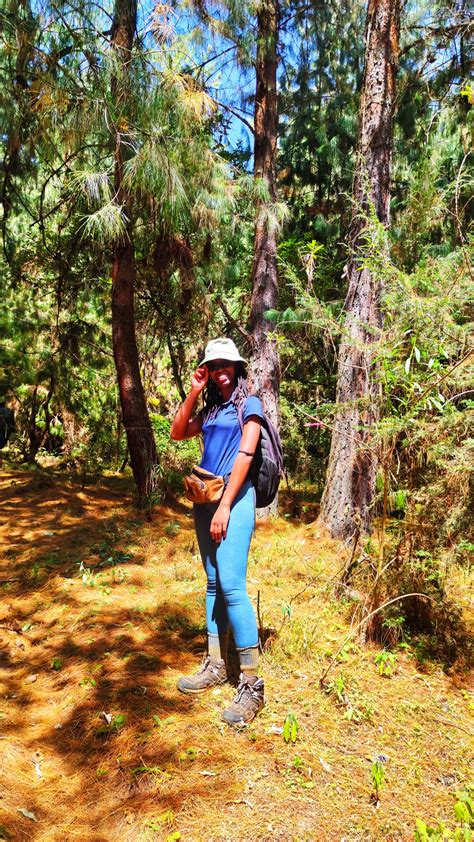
199,379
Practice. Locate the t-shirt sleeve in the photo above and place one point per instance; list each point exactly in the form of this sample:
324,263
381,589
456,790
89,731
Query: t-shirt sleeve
252,406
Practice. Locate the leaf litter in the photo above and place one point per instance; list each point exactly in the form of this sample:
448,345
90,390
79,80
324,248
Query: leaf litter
142,628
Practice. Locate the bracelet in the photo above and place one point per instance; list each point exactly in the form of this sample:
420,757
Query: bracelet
247,453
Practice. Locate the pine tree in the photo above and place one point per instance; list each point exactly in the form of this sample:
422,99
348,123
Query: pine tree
265,361
347,503
141,444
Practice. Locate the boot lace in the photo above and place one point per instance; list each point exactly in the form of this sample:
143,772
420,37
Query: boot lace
206,666
243,690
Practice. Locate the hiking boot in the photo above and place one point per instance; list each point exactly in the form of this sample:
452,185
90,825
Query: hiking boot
247,703
210,674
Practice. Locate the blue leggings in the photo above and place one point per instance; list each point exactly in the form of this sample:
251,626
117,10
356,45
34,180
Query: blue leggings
225,564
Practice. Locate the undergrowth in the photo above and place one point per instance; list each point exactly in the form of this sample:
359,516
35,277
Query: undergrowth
423,534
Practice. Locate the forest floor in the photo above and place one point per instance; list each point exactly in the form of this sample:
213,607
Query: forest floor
102,611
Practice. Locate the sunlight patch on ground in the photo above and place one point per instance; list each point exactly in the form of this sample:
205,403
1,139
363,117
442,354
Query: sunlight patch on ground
101,613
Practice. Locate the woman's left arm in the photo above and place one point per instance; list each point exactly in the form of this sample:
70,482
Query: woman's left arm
249,441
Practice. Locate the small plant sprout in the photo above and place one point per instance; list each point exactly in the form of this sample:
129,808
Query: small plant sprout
377,774
385,661
357,706
87,575
189,754
57,664
114,724
338,687
464,813
290,728
464,806
165,819
399,501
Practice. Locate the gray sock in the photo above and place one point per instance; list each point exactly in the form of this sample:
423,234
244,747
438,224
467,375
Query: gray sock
248,659
217,646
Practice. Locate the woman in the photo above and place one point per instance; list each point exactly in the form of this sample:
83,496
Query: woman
224,529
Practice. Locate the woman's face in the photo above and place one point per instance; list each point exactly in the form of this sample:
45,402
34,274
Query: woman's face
222,373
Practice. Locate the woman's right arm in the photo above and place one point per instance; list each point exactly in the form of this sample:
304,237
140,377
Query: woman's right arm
183,427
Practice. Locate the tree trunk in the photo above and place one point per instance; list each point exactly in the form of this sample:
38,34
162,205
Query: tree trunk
141,443
347,503
265,359
34,433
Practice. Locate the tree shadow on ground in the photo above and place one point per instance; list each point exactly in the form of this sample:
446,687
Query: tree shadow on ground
118,731
89,687
49,528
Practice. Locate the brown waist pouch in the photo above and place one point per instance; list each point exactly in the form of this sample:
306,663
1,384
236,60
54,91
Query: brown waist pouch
203,487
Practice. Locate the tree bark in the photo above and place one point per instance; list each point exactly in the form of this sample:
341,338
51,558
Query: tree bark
347,502
265,359
141,443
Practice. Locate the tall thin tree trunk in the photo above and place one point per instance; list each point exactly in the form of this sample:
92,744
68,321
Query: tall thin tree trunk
141,444
347,503
265,359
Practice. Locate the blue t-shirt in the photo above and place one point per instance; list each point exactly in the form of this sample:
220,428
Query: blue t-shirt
222,435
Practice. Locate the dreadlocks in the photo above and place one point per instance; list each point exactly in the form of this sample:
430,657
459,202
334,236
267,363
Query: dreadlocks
213,398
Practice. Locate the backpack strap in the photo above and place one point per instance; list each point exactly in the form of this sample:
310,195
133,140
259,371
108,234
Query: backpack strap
240,414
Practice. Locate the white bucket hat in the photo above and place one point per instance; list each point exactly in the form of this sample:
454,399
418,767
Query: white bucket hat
222,349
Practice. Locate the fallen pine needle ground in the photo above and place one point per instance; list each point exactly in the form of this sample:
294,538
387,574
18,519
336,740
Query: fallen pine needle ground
101,613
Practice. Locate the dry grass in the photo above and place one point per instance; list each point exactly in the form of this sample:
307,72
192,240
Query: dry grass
79,640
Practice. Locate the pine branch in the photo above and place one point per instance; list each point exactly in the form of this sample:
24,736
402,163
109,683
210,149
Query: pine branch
199,67
436,32
233,321
235,114
53,173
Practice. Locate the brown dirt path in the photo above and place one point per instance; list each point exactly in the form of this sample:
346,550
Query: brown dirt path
100,613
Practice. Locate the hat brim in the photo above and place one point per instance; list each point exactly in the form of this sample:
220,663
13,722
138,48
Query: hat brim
208,359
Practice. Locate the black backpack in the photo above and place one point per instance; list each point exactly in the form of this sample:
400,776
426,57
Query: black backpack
267,464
